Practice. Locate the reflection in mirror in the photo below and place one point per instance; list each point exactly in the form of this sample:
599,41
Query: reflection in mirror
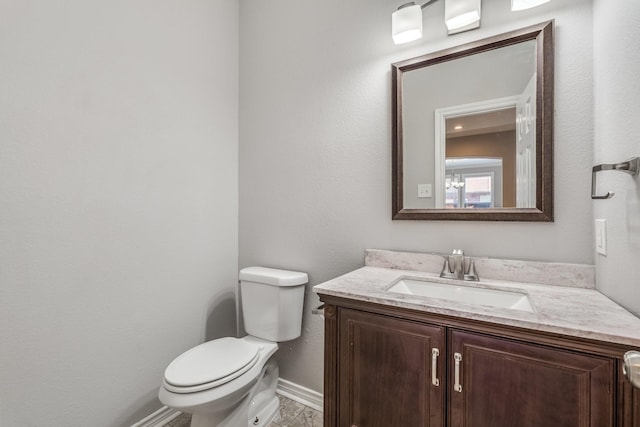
478,116
474,182
483,105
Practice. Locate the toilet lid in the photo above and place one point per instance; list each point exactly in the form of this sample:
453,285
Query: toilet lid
217,362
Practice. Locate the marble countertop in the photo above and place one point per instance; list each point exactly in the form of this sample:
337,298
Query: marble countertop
568,310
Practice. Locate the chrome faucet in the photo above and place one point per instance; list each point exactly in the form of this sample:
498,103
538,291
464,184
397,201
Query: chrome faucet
457,266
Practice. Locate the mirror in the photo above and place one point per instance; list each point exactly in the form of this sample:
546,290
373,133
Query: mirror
473,130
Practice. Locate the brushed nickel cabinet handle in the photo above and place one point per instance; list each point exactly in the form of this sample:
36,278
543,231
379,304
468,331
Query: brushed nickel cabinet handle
457,357
434,367
631,367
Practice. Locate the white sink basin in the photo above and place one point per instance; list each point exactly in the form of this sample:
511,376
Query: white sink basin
464,294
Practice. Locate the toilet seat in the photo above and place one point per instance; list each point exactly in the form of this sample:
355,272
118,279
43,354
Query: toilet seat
225,394
211,365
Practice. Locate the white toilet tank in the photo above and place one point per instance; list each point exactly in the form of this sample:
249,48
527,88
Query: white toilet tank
272,302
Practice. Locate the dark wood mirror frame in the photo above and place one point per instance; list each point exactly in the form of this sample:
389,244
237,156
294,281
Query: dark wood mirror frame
543,212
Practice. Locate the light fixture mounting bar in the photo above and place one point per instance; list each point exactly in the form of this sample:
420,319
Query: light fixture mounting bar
412,3
430,2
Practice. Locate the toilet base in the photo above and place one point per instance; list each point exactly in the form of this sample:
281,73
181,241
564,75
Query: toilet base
267,414
256,410
262,419
234,418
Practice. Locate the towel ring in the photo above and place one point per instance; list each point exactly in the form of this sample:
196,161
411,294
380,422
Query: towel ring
631,166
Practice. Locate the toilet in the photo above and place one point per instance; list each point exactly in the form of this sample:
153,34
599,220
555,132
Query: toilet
231,382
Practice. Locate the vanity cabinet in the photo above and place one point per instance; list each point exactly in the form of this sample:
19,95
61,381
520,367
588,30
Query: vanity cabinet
385,376
390,366
501,382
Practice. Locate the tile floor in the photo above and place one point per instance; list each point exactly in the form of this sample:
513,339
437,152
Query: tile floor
291,414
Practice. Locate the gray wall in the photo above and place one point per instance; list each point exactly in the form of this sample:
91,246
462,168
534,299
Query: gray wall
616,114
315,150
118,201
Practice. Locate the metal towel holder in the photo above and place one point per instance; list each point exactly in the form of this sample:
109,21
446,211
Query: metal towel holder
631,166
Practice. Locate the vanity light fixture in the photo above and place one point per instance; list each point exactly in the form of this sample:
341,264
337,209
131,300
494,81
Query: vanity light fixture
526,4
406,22
460,15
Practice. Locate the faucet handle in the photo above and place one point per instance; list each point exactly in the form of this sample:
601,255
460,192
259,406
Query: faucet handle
446,269
471,273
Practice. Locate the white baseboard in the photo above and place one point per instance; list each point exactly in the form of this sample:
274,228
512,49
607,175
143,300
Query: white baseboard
159,418
290,390
300,394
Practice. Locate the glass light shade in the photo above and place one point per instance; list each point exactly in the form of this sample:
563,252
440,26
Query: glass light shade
526,4
460,13
406,24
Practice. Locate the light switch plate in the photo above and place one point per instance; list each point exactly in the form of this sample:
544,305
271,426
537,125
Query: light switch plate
424,190
601,236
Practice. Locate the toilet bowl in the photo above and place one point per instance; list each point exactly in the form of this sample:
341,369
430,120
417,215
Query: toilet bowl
231,382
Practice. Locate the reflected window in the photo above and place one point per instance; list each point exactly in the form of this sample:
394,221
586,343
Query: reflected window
473,183
470,191
478,191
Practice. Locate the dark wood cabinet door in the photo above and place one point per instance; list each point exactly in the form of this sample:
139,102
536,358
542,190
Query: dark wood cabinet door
384,372
507,384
